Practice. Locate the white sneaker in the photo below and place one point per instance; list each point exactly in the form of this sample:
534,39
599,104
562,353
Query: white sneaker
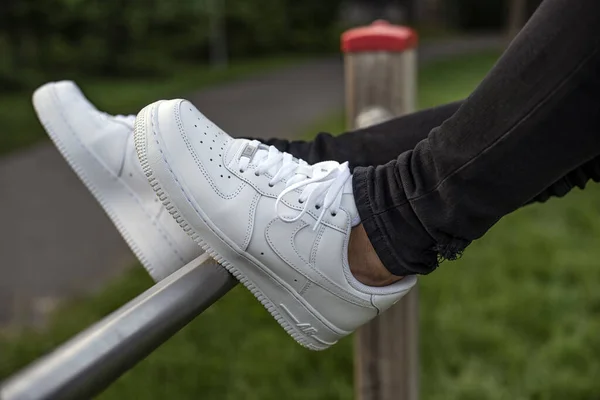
279,225
99,147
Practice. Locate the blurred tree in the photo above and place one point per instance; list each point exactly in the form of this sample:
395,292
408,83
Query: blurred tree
488,15
477,15
432,13
218,35
411,8
10,22
314,25
117,34
517,16
51,39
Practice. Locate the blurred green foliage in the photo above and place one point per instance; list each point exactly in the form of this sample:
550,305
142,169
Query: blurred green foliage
516,318
46,39
42,40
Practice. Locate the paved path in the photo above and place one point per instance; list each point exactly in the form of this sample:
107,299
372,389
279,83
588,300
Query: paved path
56,241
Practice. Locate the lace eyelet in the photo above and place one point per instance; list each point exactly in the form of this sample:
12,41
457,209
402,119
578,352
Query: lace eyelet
242,171
256,173
271,185
300,201
317,206
333,214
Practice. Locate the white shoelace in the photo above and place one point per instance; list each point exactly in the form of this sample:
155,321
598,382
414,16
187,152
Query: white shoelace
324,181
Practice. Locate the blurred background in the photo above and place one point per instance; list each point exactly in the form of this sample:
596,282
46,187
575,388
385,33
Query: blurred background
516,318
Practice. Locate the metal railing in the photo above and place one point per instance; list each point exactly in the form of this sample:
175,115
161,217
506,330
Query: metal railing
96,357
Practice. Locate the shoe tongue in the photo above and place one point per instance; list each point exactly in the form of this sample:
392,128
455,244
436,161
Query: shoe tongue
232,148
349,204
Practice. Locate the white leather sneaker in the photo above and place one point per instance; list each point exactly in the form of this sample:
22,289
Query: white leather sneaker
99,147
279,225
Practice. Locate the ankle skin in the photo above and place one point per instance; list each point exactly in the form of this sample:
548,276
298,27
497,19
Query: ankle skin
365,265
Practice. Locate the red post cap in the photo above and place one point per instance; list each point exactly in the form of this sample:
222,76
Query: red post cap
379,36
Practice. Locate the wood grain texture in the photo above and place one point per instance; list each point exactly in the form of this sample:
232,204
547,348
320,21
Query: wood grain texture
381,85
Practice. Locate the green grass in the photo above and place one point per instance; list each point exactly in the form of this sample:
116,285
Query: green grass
20,127
518,317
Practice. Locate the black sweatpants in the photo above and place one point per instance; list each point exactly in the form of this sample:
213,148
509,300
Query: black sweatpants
528,132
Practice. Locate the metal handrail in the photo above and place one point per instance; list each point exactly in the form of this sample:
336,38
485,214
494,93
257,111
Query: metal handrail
96,357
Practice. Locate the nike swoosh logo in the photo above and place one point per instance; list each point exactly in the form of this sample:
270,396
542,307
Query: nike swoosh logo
277,230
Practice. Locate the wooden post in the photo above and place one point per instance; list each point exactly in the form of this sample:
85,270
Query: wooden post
380,79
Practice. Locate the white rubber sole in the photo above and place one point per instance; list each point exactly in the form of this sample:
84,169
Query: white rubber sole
142,234
296,316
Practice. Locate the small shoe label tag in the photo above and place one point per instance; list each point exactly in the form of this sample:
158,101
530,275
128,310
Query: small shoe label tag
249,151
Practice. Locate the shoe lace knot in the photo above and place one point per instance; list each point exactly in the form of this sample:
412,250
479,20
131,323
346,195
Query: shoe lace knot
323,183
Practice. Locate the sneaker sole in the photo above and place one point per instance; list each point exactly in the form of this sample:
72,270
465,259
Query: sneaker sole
144,237
295,316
